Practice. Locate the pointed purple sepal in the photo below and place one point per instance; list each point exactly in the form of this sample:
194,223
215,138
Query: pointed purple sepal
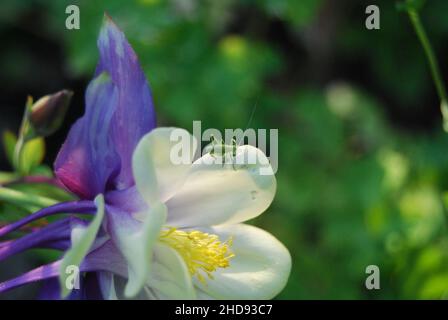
97,155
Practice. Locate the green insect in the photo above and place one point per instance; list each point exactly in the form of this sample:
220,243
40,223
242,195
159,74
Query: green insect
221,150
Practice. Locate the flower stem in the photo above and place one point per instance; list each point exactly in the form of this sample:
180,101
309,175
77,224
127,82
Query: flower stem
18,153
23,137
433,64
21,198
32,179
82,207
7,177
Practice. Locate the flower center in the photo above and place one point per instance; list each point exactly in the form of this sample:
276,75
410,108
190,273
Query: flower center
203,253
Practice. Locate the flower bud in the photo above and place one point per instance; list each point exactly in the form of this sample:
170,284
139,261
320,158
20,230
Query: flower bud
47,113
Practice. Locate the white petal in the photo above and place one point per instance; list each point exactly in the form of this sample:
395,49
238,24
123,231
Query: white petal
213,194
107,285
169,276
157,166
82,241
259,270
136,242
201,295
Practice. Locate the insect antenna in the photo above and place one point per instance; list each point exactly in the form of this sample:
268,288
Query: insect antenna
249,121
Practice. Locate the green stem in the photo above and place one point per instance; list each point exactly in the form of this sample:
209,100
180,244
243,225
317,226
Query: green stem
7,177
23,137
18,153
432,60
21,198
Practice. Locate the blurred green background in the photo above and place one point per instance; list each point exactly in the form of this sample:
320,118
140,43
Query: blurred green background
363,165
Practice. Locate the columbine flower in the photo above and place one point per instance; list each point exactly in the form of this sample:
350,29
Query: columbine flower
169,231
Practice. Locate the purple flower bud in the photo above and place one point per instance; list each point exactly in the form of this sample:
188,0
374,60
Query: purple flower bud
47,113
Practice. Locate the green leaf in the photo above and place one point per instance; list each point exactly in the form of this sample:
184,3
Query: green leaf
32,155
10,212
82,240
9,143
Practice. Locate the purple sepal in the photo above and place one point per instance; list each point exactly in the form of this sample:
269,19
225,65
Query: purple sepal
104,258
89,289
88,162
135,114
97,155
55,235
83,207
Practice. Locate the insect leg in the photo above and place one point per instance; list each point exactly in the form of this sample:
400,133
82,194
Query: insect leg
233,156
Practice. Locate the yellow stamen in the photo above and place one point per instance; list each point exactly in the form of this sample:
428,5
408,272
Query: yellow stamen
202,252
